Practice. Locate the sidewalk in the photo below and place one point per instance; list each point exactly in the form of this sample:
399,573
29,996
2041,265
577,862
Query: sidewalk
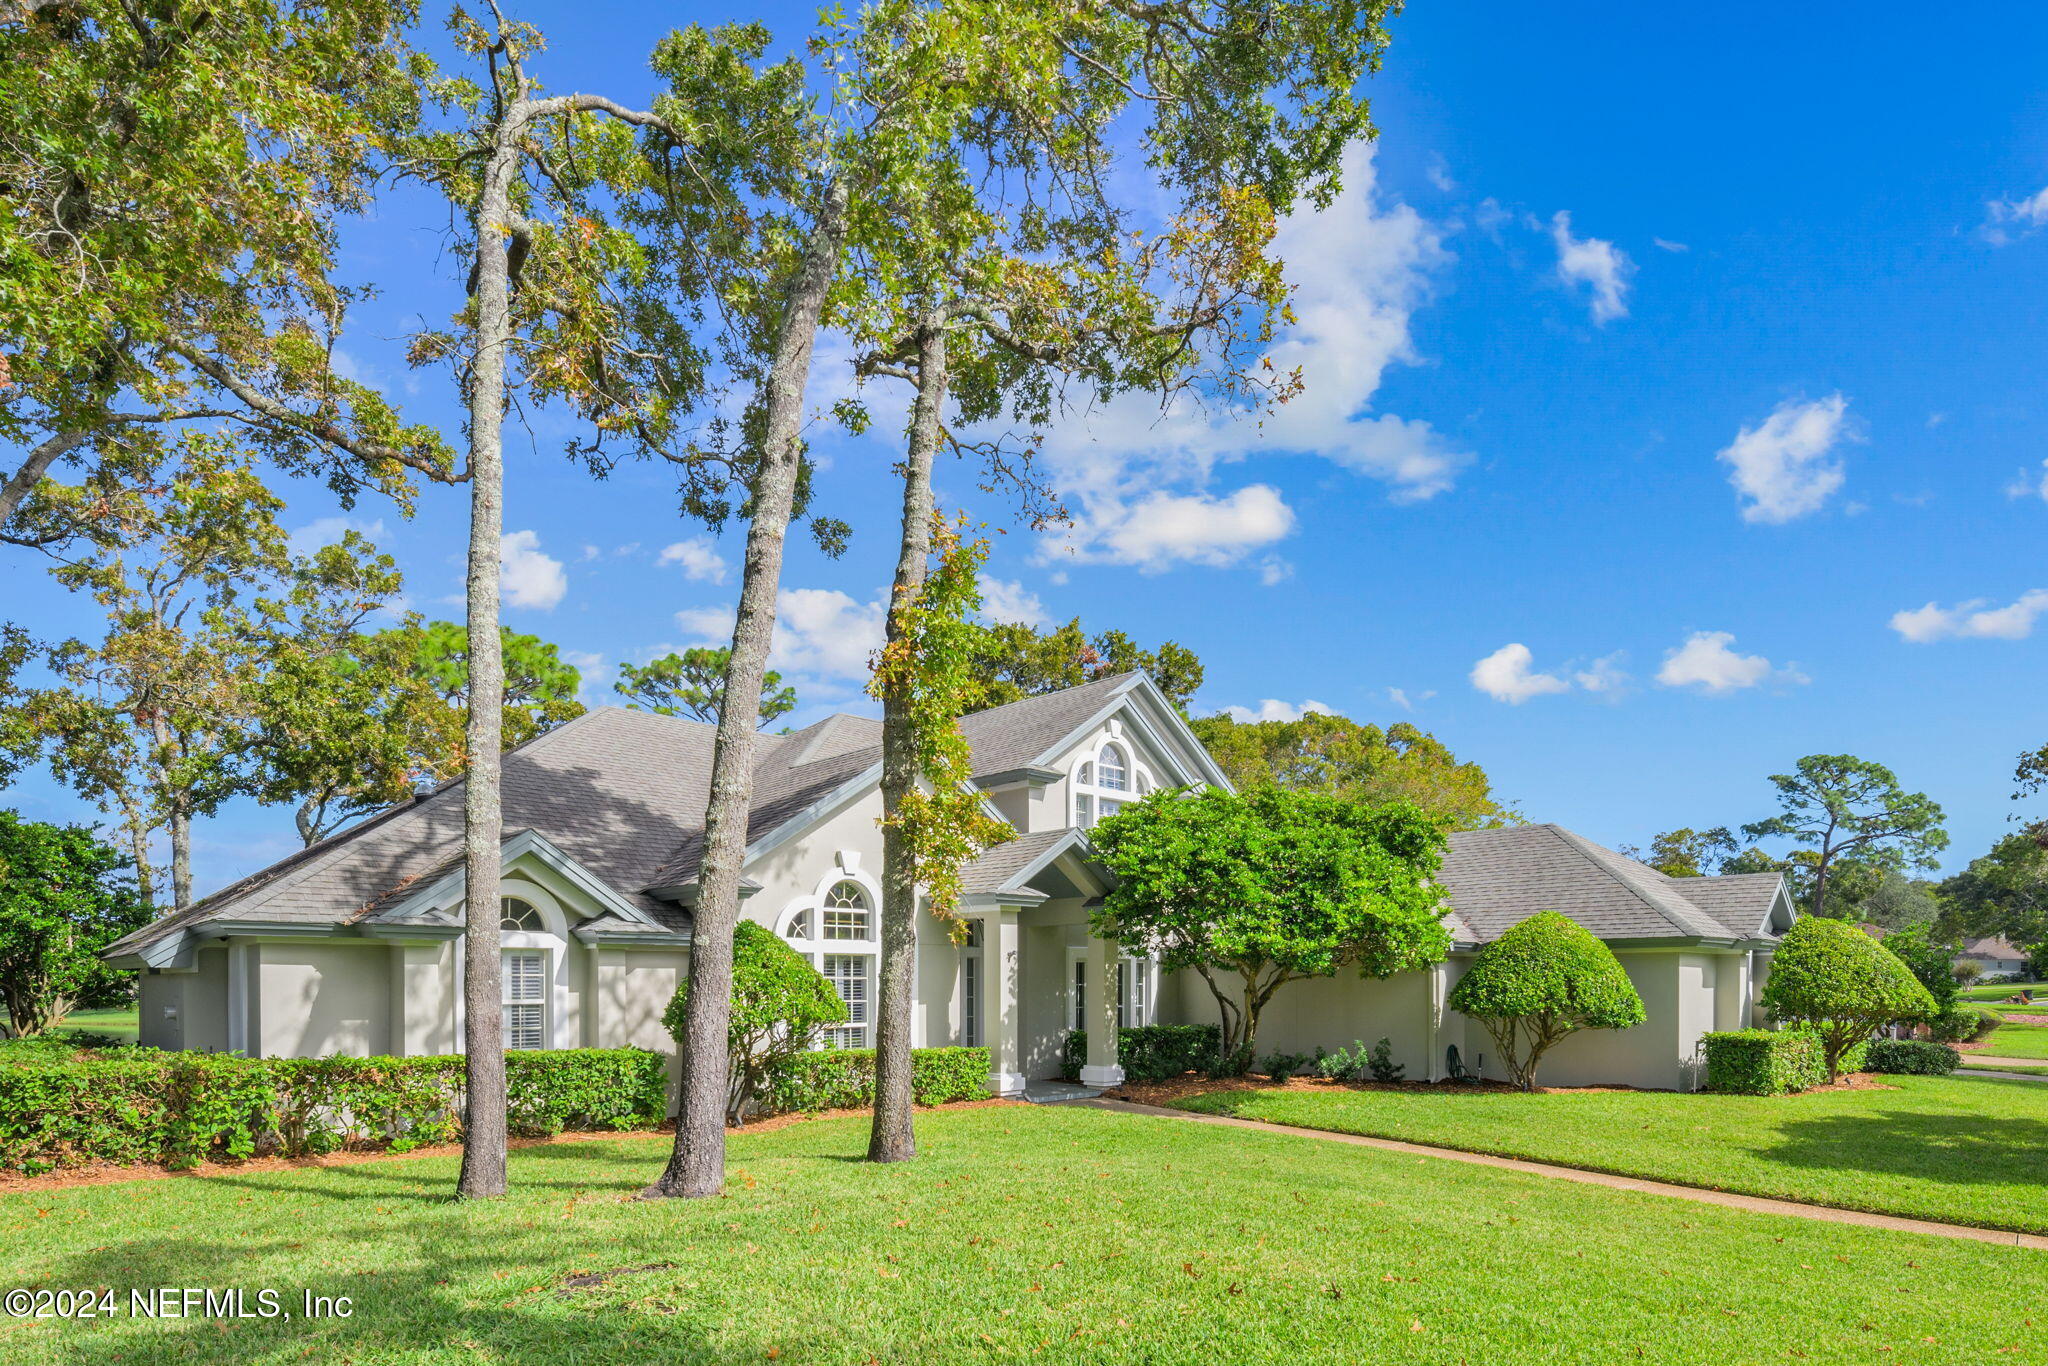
1754,1203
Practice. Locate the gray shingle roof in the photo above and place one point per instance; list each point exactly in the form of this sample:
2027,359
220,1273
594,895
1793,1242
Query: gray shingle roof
997,866
1011,736
1498,878
1738,901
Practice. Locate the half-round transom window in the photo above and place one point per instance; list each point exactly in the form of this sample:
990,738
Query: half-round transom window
514,914
846,913
1105,782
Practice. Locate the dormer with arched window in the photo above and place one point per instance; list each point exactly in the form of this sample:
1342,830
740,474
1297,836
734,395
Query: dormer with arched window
1105,779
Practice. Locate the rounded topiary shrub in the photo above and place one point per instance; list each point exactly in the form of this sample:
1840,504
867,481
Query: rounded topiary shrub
1543,980
1913,1058
780,1004
1833,978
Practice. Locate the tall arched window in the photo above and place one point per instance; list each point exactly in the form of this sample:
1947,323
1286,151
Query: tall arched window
1104,781
526,970
835,932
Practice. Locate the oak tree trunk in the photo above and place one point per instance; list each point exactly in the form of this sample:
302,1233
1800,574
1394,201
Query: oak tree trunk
33,467
697,1165
483,1035
894,1137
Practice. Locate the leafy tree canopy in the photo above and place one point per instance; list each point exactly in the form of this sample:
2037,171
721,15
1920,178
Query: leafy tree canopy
1339,756
1686,852
1269,886
1017,661
1544,980
692,684
1831,976
540,690
2005,892
64,896
1930,958
1897,902
780,1005
1837,806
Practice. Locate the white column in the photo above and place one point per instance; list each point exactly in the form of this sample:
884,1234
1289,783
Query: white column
1433,1023
1102,1068
999,1014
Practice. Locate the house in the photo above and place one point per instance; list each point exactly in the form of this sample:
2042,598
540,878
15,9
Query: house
352,945
1994,956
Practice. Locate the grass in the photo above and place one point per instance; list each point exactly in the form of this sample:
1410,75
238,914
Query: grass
121,1024
1988,1067
1042,1233
2016,1041
1933,1148
1989,994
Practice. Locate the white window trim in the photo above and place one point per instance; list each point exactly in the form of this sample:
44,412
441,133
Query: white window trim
814,948
971,1003
1074,1005
1138,779
546,1002
554,940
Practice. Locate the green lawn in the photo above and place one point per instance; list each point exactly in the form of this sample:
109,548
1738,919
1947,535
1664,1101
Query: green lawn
1992,994
2017,1041
1049,1234
1966,1151
121,1023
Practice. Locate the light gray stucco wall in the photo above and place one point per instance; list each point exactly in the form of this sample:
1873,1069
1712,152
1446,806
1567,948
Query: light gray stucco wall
634,987
1332,1012
319,999
199,997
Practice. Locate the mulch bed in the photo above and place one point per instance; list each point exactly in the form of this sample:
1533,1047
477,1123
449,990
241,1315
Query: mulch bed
107,1173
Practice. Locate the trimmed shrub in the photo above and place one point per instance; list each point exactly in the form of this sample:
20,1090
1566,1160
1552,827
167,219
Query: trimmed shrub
1913,1058
1280,1066
844,1079
1545,979
1962,1023
180,1109
1762,1062
780,1006
1833,978
1150,1052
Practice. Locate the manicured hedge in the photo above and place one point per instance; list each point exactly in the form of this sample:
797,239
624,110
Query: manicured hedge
143,1105
844,1079
1762,1062
1150,1052
1913,1057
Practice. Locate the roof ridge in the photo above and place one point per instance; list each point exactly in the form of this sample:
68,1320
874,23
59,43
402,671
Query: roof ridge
1585,847
1057,692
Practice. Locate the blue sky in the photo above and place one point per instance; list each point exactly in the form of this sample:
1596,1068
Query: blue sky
1674,410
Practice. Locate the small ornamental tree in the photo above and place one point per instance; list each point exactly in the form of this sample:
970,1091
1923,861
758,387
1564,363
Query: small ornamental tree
1833,978
1545,979
1930,959
780,1003
64,896
1252,890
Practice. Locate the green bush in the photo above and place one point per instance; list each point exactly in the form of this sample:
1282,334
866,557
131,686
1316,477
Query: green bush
1280,1066
1913,1058
780,1007
180,1109
1762,1062
844,1079
1962,1023
1150,1052
1830,976
1543,980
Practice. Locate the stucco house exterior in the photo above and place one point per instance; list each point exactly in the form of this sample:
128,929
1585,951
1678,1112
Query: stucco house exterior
352,946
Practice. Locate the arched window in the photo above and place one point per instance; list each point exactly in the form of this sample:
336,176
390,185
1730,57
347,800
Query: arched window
514,914
1105,781
847,914
797,926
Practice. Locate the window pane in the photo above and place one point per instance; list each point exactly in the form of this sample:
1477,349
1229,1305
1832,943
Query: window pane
799,926
848,974
523,1027
1084,811
970,1001
1080,993
1108,809
1110,772
1086,775
525,975
846,912
514,914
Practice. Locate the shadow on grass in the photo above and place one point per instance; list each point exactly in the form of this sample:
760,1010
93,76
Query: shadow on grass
1958,1149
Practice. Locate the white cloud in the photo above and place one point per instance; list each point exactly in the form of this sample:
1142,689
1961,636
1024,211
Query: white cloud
1604,677
820,632
1781,465
1008,600
1706,662
699,558
1973,620
1274,570
591,669
326,531
1400,698
1361,269
1273,709
591,552
531,578
2008,220
1163,530
1664,245
1506,676
1596,263
2027,484
1440,175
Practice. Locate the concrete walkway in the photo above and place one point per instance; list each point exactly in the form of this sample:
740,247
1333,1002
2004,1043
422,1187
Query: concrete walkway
1993,1074
1754,1203
1987,1060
